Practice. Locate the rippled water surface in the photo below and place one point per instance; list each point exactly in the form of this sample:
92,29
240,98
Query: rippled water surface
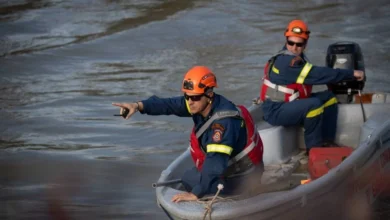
62,64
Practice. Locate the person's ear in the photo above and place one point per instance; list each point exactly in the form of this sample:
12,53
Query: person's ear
210,96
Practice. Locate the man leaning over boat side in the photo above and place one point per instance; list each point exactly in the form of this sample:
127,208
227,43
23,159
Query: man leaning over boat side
287,95
224,139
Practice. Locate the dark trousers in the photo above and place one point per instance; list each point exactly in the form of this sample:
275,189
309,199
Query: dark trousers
320,125
232,185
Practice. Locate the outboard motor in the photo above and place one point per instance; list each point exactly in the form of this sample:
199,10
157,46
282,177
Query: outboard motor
345,55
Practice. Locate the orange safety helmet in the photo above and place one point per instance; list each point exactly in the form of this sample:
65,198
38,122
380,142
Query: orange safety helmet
297,28
198,79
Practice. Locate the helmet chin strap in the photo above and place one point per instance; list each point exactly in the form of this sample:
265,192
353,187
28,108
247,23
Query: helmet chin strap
205,107
210,98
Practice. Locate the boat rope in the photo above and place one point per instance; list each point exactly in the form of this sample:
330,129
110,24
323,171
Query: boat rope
210,205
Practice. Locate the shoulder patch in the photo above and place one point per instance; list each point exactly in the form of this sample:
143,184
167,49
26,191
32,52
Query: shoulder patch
217,126
296,61
218,130
217,135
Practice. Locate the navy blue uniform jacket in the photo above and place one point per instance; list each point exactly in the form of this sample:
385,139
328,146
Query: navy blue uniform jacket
291,66
233,134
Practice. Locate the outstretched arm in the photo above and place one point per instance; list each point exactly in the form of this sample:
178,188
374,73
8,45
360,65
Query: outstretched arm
156,106
166,106
289,69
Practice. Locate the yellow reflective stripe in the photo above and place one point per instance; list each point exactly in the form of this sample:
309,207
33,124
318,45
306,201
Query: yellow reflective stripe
315,112
188,106
275,69
331,101
219,148
320,110
305,70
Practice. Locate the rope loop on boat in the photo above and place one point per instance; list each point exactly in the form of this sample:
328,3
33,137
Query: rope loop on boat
210,205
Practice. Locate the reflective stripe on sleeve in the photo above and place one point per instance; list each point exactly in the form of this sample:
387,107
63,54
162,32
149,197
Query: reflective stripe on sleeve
219,148
305,70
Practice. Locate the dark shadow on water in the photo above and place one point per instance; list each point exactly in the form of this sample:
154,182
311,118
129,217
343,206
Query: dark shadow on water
122,79
155,13
12,94
47,147
11,12
122,71
4,144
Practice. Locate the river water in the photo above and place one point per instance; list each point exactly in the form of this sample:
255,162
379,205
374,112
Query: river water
62,64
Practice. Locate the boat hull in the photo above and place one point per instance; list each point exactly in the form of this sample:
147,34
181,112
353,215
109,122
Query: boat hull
359,180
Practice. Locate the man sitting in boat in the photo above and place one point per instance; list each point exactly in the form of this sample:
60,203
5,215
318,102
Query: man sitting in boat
287,95
224,140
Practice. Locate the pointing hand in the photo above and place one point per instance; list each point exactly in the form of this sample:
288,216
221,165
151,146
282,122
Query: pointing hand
127,109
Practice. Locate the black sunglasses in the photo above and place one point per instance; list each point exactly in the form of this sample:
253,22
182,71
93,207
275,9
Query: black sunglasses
194,98
292,43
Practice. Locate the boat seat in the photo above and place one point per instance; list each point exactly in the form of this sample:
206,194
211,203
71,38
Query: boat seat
263,125
280,143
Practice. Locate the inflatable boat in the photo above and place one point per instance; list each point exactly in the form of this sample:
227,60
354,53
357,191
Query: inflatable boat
327,183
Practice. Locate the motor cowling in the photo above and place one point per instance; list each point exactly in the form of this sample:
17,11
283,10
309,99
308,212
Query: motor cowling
345,55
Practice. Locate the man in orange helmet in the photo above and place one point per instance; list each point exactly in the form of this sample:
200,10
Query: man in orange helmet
224,139
287,95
